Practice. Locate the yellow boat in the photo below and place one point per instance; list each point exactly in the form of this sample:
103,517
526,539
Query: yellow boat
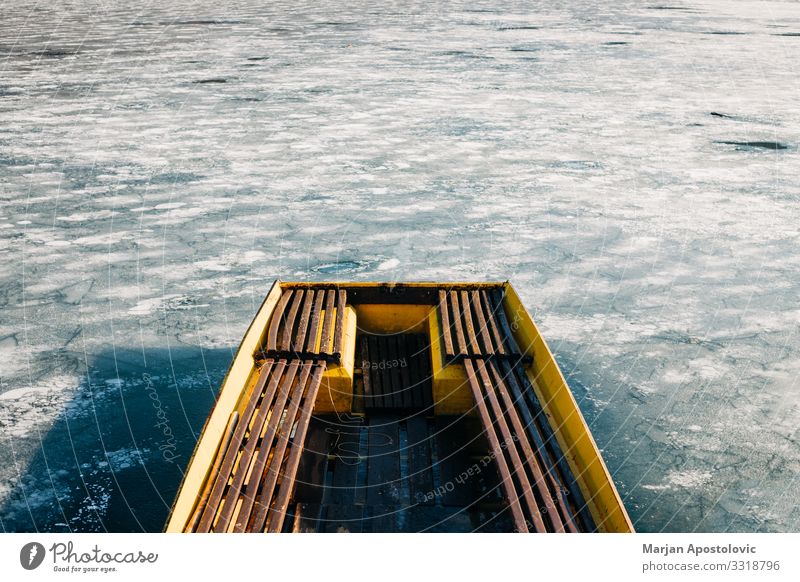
389,407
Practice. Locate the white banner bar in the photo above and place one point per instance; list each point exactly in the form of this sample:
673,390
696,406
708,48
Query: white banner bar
379,557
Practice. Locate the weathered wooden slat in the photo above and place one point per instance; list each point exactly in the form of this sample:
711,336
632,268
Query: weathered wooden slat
307,518
344,518
327,322
425,372
346,460
277,319
232,495
233,419
389,293
461,342
313,330
505,329
410,371
376,379
497,451
383,462
338,338
293,460
557,488
438,519
487,345
517,466
285,342
522,445
444,315
451,438
302,326
576,497
399,389
472,338
491,321
420,473
366,374
383,519
313,464
405,349
280,425
270,372
381,354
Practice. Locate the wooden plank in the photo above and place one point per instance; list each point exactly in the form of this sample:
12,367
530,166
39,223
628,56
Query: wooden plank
376,377
302,327
347,458
405,346
344,519
383,462
485,336
492,520
426,374
279,426
411,370
313,330
446,330
383,519
420,472
288,324
438,519
248,452
366,374
499,459
472,339
338,338
521,447
390,293
293,461
491,321
451,438
241,472
505,329
380,293
307,518
233,420
392,364
556,487
460,340
517,466
327,322
271,372
313,464
551,444
277,319
380,355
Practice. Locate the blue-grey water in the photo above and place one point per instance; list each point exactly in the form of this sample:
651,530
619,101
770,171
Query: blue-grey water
632,168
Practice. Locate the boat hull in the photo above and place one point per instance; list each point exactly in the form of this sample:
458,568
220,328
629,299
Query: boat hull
381,309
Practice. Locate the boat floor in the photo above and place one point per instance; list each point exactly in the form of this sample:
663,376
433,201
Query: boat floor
387,472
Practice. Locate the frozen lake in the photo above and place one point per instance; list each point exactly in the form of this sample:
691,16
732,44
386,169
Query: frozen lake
633,170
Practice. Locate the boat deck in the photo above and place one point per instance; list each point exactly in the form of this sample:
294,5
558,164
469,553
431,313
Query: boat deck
389,472
394,460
